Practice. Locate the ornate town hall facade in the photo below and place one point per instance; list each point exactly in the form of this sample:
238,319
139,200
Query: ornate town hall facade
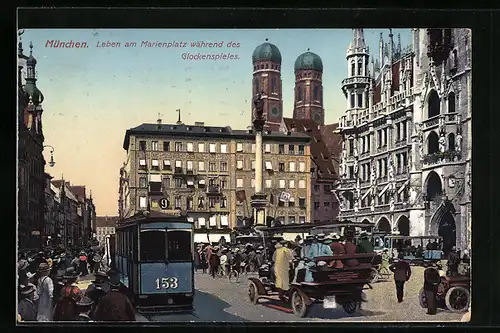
406,133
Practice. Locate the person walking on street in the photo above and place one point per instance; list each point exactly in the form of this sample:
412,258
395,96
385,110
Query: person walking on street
115,306
402,273
26,307
84,271
431,283
282,258
453,261
214,262
95,262
83,309
45,293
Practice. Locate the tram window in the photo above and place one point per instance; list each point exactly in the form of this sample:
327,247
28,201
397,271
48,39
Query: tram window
152,245
179,245
134,245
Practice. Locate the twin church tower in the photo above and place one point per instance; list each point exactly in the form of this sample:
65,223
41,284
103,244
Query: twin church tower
308,92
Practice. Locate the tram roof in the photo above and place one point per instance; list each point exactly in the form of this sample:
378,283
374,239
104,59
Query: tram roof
413,237
152,216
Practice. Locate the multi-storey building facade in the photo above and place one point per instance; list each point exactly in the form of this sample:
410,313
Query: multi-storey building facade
209,172
31,176
400,139
105,225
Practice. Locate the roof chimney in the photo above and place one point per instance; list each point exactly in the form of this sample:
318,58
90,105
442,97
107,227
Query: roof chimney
159,121
179,122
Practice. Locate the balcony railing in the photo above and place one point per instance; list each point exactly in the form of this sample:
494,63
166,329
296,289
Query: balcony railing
447,156
356,80
431,121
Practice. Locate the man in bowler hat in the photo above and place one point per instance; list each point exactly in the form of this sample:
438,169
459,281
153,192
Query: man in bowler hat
402,273
431,283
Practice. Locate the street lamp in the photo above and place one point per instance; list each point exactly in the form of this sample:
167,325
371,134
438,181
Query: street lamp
51,162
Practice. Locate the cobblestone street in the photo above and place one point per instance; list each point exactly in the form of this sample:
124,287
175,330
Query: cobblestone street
222,300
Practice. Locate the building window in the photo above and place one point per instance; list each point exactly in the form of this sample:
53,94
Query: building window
178,182
155,165
252,165
302,183
178,202
351,147
269,183
385,137
326,204
201,166
142,145
379,138
178,146
267,148
291,219
316,188
166,146
291,149
224,221
189,165
223,202
212,167
252,182
189,203
302,166
223,183
291,184
201,147
166,165
201,222
239,165
316,205
223,166
189,147
451,102
239,182
212,221
239,147
142,164
292,167
178,164
281,167
201,203
433,108
301,150
166,183
299,94
360,100
273,85
143,183
327,189
352,100
282,183
269,166
256,86
212,148
398,132
360,67
404,136
353,68
316,93
281,149
223,148
302,219
154,145
351,172
143,202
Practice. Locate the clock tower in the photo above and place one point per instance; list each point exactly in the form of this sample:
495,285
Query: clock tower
266,61
309,88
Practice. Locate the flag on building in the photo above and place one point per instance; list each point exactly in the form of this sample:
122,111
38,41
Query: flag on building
241,196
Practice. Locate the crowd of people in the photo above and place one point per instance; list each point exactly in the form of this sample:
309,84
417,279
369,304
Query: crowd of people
48,288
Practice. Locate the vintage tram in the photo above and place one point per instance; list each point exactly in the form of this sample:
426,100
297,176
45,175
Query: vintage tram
153,255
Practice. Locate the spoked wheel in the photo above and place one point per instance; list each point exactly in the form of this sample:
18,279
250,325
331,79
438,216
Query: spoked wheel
457,299
422,298
384,274
250,268
373,275
298,304
234,276
350,306
253,294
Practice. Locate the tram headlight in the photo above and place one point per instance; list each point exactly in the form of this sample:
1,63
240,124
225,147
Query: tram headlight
170,301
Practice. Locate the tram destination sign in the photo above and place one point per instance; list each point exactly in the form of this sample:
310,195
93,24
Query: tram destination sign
164,203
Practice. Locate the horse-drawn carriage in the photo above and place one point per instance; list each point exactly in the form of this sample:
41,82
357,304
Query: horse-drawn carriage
331,286
453,293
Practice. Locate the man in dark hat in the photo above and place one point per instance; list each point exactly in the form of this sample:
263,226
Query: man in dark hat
114,306
26,307
70,288
402,273
365,246
114,279
98,288
95,262
84,308
431,283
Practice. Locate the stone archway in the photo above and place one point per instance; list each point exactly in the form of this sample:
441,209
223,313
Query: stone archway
384,225
403,226
448,230
433,108
432,143
434,187
367,229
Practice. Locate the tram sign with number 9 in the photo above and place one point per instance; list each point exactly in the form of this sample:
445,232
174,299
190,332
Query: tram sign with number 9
167,283
163,203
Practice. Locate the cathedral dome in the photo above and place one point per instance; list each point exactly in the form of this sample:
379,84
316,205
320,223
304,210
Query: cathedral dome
267,51
309,60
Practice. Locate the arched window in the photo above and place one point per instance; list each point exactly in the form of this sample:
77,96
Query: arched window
353,69
299,94
451,142
432,143
455,58
451,102
316,93
433,104
256,85
273,85
360,67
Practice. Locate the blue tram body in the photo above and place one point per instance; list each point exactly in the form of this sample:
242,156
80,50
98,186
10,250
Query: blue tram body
153,255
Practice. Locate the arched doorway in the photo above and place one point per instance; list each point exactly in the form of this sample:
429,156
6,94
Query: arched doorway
367,229
451,142
384,225
404,226
447,229
451,102
433,104
434,188
432,143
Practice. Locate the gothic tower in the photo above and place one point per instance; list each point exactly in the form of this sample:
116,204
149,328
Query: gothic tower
266,61
357,83
309,88
33,111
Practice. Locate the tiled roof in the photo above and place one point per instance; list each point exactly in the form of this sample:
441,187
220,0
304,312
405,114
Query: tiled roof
319,151
78,191
106,221
205,131
333,142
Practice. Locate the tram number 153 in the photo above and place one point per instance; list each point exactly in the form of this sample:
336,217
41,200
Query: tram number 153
167,283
